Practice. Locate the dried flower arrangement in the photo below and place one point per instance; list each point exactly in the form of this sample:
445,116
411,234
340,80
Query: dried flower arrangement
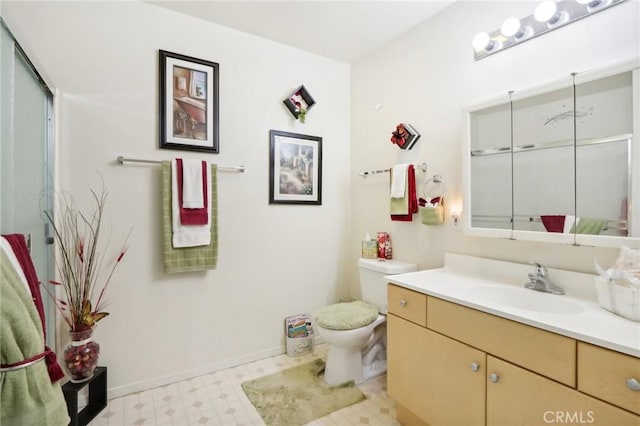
84,275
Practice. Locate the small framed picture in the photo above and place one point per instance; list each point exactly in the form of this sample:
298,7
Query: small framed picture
299,102
189,110
295,168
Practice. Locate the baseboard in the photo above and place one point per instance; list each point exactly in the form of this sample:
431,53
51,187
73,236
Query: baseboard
119,391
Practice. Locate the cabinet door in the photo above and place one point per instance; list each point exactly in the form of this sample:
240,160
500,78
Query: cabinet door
433,377
516,396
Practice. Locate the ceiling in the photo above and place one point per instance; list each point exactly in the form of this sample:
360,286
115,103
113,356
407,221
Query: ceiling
342,30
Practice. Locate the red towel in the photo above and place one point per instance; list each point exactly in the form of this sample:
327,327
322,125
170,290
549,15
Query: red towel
413,200
193,216
19,246
553,223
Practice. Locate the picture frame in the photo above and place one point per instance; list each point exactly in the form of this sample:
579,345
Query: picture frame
189,103
405,136
299,100
412,136
295,168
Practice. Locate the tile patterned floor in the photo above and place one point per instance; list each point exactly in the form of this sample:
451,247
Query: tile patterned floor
217,399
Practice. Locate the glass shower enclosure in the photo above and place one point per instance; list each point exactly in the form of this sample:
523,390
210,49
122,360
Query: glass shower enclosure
26,159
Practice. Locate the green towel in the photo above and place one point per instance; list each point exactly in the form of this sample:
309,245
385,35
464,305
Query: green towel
27,395
589,226
188,258
399,206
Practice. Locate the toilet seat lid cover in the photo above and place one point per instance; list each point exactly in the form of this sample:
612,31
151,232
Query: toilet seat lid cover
347,315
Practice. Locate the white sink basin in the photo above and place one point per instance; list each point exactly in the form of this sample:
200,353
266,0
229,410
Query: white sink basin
530,300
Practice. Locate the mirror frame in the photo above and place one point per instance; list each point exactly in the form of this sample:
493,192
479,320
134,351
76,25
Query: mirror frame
632,65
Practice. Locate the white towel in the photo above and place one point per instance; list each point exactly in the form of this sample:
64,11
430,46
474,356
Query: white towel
398,180
569,220
187,235
192,184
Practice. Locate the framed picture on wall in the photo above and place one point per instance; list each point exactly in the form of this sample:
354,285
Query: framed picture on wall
189,112
295,168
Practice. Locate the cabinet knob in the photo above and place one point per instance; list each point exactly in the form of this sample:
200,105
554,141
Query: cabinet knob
494,377
403,303
475,367
633,384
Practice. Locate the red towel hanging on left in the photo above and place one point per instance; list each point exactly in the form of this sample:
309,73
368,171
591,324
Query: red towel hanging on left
19,246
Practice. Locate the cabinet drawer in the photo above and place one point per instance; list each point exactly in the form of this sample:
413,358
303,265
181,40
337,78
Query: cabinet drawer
603,373
407,304
547,353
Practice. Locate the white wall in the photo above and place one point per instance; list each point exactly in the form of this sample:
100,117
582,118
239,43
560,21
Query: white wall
274,261
426,77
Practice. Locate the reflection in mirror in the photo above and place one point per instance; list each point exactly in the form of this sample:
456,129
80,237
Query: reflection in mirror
490,137
603,155
543,166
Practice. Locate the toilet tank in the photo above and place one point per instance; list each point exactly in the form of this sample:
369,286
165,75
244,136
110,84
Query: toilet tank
373,286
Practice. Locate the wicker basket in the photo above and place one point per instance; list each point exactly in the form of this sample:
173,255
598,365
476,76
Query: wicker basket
432,215
298,346
621,300
299,335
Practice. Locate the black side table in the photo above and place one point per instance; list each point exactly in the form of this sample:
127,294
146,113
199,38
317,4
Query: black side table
97,397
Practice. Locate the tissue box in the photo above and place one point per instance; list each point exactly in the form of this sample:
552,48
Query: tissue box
369,249
621,300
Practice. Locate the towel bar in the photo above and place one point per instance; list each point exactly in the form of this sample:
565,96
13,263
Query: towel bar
122,160
422,167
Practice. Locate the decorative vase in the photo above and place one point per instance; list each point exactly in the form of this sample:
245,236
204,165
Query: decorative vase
81,356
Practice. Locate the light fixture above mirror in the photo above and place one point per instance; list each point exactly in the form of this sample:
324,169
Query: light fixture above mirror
547,16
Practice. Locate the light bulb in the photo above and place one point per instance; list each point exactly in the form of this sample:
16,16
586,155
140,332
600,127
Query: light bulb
590,3
545,11
482,41
455,214
511,27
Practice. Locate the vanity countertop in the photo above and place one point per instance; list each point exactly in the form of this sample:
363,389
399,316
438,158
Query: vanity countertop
575,317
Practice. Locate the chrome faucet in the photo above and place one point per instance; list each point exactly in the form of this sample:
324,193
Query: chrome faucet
539,281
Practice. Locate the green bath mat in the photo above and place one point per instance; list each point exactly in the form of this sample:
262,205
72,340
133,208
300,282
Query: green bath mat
297,396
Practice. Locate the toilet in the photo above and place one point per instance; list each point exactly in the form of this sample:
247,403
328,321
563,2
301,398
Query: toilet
355,332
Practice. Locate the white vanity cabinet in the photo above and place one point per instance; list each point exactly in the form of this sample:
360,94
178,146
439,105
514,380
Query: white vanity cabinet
454,365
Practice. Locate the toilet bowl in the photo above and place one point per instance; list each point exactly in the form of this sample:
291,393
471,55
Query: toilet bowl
355,332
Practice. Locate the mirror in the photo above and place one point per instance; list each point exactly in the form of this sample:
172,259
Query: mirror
605,142
556,163
543,175
490,165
